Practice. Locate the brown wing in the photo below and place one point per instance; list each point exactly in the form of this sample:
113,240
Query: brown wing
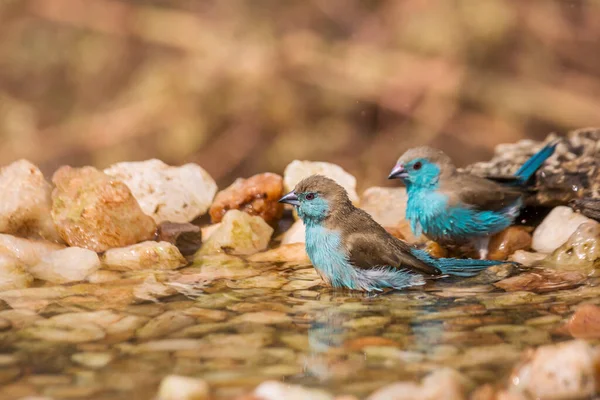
480,193
369,245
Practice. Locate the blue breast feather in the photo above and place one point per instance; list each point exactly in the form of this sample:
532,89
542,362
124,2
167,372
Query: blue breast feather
428,211
330,260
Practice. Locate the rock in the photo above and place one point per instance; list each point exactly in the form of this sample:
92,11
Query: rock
542,280
13,274
28,251
298,170
103,276
585,323
185,236
239,233
263,317
207,231
97,212
274,390
558,372
442,384
176,387
295,252
588,207
360,343
257,195
403,232
67,328
571,172
72,264
581,249
556,229
505,243
527,258
94,360
387,206
145,255
176,194
168,322
435,250
25,202
296,233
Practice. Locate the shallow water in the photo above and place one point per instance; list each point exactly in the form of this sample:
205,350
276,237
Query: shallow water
268,321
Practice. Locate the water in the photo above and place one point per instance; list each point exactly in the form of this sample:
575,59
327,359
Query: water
265,321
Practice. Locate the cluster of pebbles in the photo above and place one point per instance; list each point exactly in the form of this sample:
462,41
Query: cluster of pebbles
115,284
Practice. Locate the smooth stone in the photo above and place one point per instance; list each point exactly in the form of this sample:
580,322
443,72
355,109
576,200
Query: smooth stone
542,280
527,258
103,276
92,360
72,264
263,317
556,229
442,384
581,250
387,206
298,170
164,324
145,255
505,243
97,212
274,390
562,371
25,202
585,322
294,252
258,195
28,251
167,193
239,233
13,274
295,234
175,387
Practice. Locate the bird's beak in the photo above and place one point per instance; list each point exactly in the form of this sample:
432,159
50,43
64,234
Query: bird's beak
398,172
290,198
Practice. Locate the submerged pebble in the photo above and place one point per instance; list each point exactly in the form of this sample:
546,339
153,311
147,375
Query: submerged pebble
175,387
563,371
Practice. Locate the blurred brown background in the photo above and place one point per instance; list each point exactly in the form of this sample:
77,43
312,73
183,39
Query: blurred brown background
242,87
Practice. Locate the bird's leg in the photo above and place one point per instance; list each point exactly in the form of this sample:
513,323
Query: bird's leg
481,245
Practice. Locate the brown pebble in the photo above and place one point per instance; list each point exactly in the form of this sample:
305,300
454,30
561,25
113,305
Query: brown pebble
257,195
585,323
505,243
366,341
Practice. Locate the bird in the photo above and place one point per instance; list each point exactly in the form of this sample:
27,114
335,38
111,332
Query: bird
350,250
452,207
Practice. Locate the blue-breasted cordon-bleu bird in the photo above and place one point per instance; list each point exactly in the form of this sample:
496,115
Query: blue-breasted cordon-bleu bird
455,208
350,250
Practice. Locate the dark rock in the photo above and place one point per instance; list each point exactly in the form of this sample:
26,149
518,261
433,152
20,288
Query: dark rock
187,237
573,171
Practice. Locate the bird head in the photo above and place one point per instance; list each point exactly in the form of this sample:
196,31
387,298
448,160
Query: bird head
316,197
422,167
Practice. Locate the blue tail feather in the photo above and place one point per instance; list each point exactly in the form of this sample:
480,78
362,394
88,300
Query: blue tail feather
535,162
456,266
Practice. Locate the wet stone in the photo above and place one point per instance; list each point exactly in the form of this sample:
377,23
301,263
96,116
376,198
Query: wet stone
585,322
97,212
145,255
257,195
581,251
556,229
505,243
185,236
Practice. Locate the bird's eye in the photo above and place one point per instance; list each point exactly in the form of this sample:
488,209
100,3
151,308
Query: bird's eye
310,196
417,166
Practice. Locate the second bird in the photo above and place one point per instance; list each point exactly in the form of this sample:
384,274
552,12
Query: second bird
452,207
